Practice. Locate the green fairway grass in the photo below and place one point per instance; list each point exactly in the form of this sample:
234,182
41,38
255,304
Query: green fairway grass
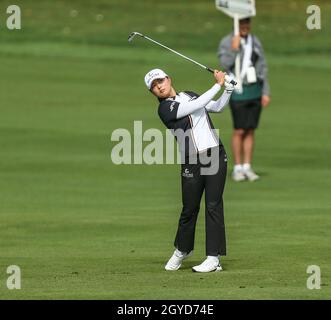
81,227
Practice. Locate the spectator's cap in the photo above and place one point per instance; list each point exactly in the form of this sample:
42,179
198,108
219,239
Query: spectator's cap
245,20
152,75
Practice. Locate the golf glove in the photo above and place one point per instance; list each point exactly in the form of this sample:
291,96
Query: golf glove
228,87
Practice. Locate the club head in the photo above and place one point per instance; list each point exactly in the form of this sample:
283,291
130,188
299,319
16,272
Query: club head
133,34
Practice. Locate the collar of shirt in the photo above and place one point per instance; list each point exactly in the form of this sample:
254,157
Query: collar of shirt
162,99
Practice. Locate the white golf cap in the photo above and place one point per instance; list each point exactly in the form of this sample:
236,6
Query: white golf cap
152,75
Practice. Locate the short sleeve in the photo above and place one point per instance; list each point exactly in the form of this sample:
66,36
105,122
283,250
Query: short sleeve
168,111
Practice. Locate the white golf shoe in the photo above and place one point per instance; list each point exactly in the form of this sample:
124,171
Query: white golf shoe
251,175
209,265
176,260
238,176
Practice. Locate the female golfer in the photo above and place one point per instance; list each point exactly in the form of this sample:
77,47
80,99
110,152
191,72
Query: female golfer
204,163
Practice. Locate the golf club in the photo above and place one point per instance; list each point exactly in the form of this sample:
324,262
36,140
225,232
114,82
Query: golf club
133,34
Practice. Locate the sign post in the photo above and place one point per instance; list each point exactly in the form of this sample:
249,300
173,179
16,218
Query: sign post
237,9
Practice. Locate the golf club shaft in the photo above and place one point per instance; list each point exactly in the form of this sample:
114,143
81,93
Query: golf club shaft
227,78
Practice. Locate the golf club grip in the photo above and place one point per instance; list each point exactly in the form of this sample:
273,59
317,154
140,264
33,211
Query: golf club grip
227,78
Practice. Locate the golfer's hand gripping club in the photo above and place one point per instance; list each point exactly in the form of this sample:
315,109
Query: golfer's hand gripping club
228,79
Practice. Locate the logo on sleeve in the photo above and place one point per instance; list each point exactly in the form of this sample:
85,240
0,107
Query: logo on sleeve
172,106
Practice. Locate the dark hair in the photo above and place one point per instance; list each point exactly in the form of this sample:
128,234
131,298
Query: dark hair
247,20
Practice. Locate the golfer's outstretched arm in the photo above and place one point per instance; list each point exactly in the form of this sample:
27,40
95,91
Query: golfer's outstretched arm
220,103
186,108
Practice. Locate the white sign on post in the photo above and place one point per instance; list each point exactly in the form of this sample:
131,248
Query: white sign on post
241,8
237,9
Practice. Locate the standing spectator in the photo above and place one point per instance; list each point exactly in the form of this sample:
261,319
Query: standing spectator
246,105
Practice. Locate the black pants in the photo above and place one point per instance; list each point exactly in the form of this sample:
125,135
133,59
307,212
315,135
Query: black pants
194,182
